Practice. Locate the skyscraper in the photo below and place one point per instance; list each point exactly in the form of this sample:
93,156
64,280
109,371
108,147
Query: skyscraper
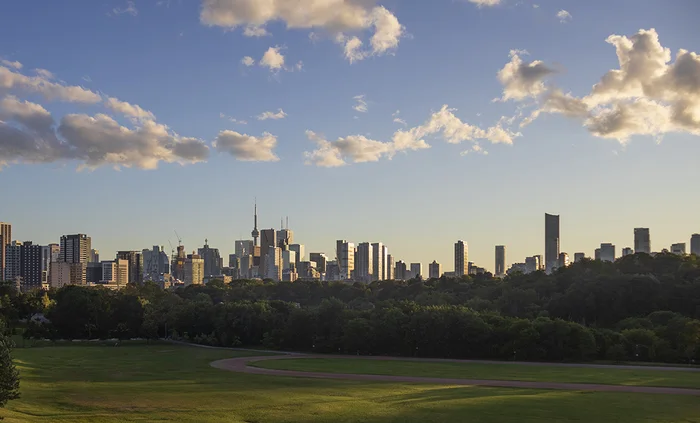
94,256
273,261
244,247
563,260
461,259
416,270
695,244
642,240
678,248
434,270
401,271
500,260
390,275
194,270
579,256
135,260
320,259
627,251
345,255
551,241
379,253
607,252
268,238
212,259
13,261
5,239
299,250
363,262
75,250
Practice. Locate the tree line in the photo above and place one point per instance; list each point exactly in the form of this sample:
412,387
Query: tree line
639,308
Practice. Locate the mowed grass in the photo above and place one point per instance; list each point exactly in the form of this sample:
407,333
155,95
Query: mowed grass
148,383
505,371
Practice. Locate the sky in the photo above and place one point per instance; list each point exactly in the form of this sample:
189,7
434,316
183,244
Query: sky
413,123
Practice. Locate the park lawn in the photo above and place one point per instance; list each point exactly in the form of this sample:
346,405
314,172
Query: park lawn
175,383
505,371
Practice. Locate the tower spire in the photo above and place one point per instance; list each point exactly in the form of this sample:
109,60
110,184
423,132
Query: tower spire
255,233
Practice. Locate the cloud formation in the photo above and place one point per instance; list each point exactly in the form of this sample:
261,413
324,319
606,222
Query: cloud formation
485,3
360,149
360,103
246,147
15,65
50,90
28,134
564,16
273,59
336,17
130,9
280,114
248,61
129,110
255,31
647,95
522,79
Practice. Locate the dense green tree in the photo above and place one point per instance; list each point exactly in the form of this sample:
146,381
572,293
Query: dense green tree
9,375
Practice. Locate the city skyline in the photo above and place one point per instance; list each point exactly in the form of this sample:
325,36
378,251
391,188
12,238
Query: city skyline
391,131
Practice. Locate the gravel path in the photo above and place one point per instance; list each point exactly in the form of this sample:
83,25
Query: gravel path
241,365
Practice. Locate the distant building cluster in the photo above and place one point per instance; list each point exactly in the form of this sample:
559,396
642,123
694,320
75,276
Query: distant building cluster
270,254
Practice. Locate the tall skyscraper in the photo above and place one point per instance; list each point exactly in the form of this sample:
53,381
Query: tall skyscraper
401,271
5,239
13,261
642,240
379,253
345,255
321,261
75,250
461,259
268,238
244,247
194,270
695,244
500,260
155,263
299,249
607,252
551,241
289,260
273,261
678,248
563,260
390,275
285,237
94,256
434,270
255,233
364,262
416,270
135,260
212,259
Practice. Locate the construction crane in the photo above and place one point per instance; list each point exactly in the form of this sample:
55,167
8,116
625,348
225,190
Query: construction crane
179,240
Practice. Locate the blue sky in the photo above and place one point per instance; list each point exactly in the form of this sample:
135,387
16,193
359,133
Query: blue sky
607,159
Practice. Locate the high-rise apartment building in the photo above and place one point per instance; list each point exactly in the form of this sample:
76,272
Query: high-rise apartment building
434,270
627,251
678,248
321,261
363,262
135,260
416,270
579,256
401,272
345,256
695,244
461,259
268,238
13,261
500,260
390,275
194,270
551,241
5,239
76,250
212,260
642,240
607,252
379,253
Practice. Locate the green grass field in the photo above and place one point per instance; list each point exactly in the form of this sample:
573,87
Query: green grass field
174,383
609,376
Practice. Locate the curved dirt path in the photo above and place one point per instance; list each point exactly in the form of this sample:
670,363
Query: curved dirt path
240,364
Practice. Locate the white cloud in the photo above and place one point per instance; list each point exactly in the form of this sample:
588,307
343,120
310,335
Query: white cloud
130,9
648,95
353,49
280,114
30,135
247,147
400,121
48,89
522,79
233,120
44,74
359,148
128,109
564,16
360,103
255,31
248,61
485,3
273,59
476,149
15,65
334,16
